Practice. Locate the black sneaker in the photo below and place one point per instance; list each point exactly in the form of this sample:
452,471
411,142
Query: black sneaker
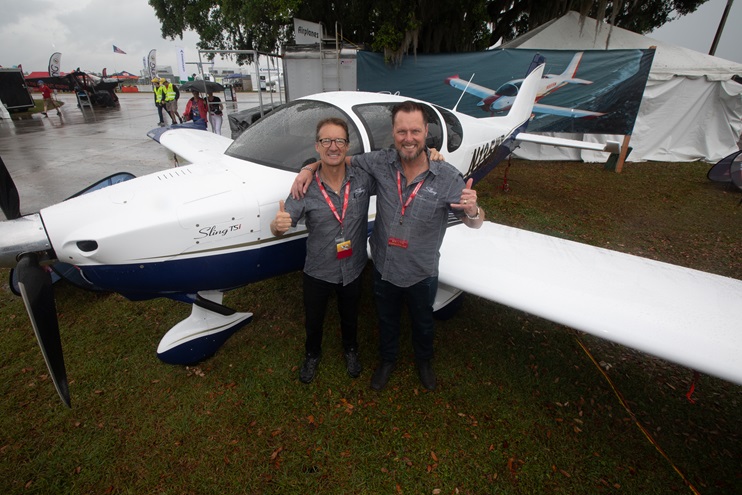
44,114
382,374
309,369
352,363
425,372
59,113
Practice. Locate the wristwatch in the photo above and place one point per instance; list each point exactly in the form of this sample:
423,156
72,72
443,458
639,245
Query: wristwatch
475,217
311,170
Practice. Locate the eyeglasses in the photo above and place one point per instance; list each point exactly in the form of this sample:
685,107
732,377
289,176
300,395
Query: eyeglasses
339,142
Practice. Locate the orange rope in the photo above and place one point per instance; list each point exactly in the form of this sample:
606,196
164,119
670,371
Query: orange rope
634,418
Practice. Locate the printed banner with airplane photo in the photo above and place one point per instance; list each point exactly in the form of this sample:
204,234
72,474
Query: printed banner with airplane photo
594,91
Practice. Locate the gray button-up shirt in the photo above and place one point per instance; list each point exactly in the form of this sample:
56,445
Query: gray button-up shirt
324,229
424,221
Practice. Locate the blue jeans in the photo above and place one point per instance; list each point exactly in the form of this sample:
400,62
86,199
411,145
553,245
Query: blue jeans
160,108
316,295
389,299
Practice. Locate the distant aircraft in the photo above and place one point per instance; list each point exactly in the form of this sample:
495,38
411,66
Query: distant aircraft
501,99
193,233
100,91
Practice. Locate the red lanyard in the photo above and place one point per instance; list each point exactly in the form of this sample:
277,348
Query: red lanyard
329,201
410,198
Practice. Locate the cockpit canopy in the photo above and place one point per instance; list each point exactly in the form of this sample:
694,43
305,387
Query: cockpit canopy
284,138
509,89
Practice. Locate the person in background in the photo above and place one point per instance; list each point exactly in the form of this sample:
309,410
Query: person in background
195,108
46,94
414,197
159,99
171,100
336,211
215,112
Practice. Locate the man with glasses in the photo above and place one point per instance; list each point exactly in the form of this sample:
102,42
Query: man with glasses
336,211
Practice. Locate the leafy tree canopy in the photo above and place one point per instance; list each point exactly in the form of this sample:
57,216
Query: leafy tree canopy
395,27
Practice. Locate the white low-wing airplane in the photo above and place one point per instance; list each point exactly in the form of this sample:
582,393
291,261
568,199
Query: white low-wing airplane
501,99
194,232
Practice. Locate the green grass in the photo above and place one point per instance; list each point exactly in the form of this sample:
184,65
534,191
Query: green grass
520,407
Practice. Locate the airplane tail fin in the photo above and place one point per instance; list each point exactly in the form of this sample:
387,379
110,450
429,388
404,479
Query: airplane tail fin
538,59
571,69
505,129
522,107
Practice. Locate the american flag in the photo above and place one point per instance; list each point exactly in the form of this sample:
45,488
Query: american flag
118,50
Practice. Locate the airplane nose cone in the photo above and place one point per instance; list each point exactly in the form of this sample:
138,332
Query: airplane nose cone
489,103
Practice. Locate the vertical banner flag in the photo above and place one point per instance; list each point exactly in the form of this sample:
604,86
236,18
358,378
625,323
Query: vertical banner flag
54,62
152,64
180,55
118,50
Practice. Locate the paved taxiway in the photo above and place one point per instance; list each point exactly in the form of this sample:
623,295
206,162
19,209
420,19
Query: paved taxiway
52,158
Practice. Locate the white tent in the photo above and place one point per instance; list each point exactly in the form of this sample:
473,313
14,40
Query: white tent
691,108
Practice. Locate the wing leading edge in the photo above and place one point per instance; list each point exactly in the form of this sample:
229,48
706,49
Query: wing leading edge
676,313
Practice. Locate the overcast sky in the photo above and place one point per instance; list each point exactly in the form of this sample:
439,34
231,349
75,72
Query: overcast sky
86,30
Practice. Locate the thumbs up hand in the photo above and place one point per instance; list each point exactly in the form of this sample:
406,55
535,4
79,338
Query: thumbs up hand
282,222
468,203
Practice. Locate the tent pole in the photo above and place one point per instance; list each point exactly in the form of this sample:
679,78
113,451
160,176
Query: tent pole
624,153
723,21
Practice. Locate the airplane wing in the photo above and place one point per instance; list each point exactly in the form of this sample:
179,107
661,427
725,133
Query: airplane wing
571,80
195,145
474,89
679,314
565,112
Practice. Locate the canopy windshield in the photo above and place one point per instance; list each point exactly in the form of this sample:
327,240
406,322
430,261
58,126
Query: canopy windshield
284,138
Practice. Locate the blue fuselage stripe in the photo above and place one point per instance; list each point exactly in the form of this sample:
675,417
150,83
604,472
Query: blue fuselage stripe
188,276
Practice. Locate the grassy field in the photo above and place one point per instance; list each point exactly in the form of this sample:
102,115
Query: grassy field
520,408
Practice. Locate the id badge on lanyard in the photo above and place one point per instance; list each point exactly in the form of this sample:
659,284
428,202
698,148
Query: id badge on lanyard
344,249
342,246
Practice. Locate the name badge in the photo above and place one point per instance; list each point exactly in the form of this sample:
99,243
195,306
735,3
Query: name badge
344,250
393,241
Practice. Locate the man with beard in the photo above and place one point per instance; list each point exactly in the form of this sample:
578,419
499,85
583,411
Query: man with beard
414,197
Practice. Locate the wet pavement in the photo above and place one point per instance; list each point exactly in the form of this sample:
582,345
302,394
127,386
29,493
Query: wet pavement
52,158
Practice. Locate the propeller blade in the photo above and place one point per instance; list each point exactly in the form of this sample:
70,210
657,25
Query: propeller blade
10,203
36,289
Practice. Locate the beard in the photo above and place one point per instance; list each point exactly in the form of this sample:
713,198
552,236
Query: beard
408,156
